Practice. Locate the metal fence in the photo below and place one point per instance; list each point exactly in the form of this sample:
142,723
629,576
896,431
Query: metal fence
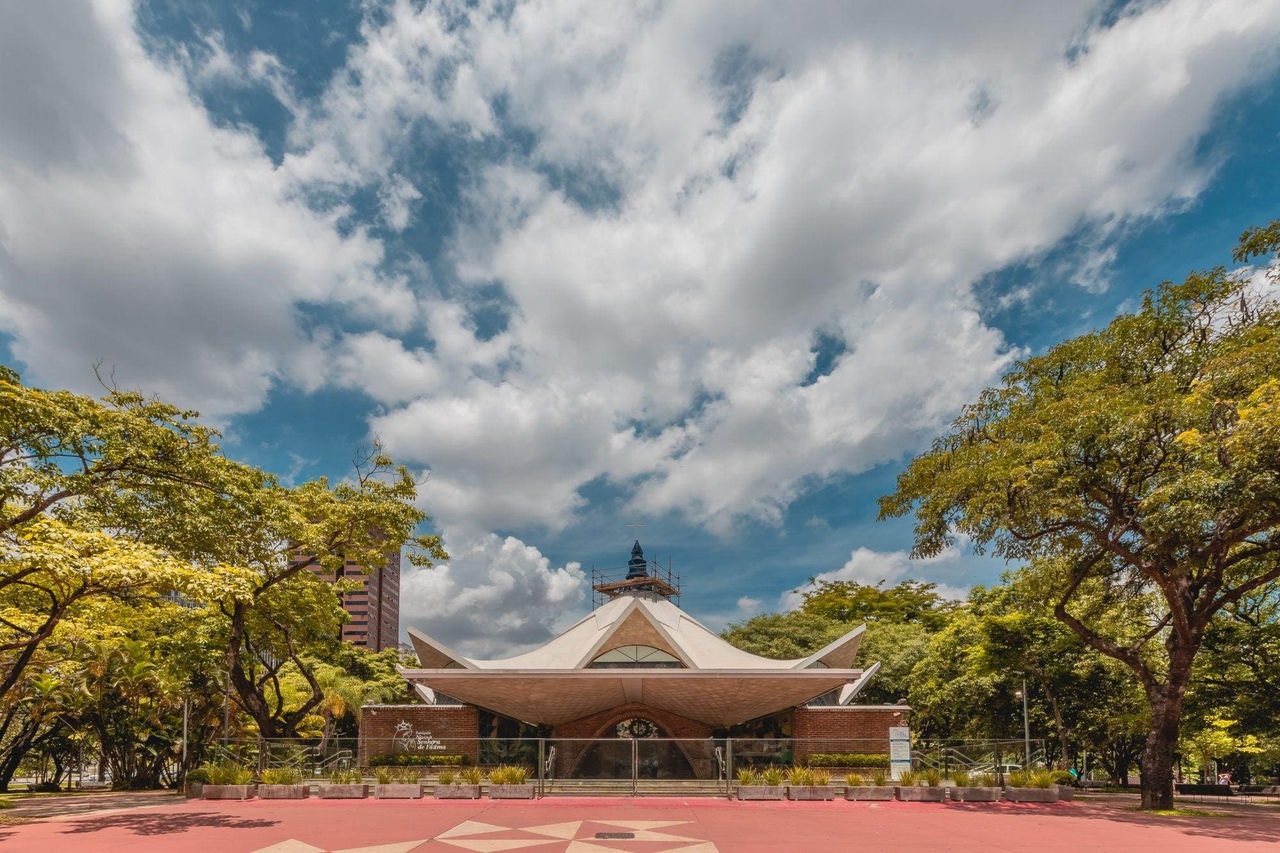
634,765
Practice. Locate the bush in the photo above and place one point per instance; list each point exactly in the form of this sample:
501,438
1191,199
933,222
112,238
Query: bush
227,773
508,774
1041,779
5,803
907,778
346,777
771,776
854,780
1019,779
849,759
471,776
932,777
1063,777
281,776
44,788
198,774
447,777
748,776
960,778
879,778
417,759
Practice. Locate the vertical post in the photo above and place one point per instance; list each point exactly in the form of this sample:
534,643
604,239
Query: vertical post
1026,727
542,766
728,764
635,760
185,703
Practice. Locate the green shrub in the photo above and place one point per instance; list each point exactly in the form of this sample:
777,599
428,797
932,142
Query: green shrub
1041,779
227,773
772,776
382,775
5,803
1019,779
849,759
446,777
198,774
508,774
749,776
854,780
820,777
417,759
879,778
281,776
932,777
1063,777
907,778
799,776
960,778
986,780
346,777
471,776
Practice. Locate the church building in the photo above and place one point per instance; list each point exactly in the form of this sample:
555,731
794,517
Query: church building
636,667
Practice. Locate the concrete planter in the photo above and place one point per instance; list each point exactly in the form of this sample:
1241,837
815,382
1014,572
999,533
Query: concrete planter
921,793
1031,795
761,792
1066,793
975,794
457,792
194,790
879,793
334,791
284,792
811,792
511,792
227,792
398,791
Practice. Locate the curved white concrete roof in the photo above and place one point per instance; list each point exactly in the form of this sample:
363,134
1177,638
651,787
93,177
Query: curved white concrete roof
720,684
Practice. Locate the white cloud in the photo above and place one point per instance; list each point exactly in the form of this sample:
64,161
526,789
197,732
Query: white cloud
887,568
135,231
495,597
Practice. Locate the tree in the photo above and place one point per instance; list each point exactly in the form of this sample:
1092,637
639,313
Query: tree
1136,460
909,601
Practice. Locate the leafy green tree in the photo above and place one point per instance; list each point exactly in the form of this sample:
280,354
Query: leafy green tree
908,602
1137,459
783,636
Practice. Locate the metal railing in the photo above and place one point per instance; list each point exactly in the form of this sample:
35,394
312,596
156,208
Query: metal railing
629,765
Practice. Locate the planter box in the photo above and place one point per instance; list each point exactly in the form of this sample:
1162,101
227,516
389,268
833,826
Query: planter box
284,792
811,792
511,792
975,794
227,792
332,791
871,792
457,792
1031,795
195,790
1066,793
921,793
761,792
398,791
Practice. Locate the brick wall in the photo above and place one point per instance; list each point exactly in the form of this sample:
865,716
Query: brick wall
604,725
456,728
848,728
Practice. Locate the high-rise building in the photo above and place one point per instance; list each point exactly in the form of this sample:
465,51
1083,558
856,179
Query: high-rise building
374,608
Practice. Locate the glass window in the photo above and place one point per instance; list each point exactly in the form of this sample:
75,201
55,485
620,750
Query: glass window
636,657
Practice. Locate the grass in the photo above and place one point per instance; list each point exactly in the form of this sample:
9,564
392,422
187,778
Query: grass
1182,813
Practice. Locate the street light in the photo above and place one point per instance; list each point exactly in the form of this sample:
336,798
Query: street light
1026,721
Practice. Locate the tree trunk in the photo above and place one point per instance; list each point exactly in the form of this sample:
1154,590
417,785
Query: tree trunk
1162,738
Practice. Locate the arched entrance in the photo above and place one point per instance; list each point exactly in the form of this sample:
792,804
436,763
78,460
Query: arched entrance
633,748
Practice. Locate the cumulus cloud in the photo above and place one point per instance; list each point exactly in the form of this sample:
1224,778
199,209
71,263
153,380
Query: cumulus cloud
496,596
136,232
704,254
887,568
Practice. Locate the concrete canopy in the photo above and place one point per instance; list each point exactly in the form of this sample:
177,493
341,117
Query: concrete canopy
714,682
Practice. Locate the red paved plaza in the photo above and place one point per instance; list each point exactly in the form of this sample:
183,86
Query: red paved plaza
637,825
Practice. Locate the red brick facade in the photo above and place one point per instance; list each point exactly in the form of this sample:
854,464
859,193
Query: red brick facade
604,725
430,729
845,728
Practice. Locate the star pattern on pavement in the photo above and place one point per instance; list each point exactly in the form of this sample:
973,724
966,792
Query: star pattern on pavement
575,836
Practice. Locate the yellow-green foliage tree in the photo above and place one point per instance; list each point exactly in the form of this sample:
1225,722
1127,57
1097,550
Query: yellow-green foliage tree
1137,460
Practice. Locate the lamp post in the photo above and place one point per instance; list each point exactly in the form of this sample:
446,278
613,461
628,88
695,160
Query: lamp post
1026,722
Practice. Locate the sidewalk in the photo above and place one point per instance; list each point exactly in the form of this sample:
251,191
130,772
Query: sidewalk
161,821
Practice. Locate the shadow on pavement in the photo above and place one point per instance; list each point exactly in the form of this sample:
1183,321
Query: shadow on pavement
164,824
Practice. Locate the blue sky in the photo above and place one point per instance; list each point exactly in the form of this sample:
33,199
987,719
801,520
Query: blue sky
709,268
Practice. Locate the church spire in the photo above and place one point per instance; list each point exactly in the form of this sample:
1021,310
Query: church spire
637,567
